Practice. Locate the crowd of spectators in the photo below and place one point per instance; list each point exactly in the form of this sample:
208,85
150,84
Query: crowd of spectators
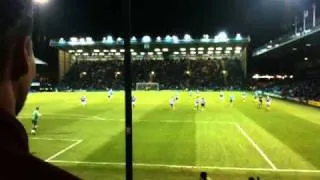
170,74
304,90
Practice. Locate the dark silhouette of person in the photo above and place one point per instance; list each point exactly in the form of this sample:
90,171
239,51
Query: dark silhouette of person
17,69
203,176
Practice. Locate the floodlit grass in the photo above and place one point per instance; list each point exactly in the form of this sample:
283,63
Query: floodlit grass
230,142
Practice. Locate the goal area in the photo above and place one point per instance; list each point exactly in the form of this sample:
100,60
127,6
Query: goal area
147,86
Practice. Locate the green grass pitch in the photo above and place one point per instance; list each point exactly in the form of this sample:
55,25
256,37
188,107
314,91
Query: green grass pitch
230,142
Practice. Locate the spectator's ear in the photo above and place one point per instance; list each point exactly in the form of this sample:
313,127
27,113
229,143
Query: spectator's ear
21,52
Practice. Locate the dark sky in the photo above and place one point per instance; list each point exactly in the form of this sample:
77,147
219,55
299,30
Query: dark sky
261,19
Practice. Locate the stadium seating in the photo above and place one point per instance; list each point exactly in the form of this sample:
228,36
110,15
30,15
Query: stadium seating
304,90
170,74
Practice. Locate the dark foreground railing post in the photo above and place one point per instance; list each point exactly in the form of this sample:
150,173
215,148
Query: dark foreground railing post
128,86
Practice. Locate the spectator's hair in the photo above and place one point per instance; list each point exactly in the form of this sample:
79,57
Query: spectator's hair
15,22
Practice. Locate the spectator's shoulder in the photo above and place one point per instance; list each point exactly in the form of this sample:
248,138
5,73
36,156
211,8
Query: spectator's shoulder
26,166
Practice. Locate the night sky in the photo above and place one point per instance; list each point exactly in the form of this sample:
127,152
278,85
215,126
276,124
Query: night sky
262,20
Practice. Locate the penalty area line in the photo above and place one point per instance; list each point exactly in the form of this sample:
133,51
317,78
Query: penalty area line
64,150
186,166
255,145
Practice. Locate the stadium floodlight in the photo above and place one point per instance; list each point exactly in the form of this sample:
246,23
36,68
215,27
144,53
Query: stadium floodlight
176,53
133,39
133,53
221,37
229,48
122,50
239,48
105,50
113,50
119,39
101,54
158,39
193,53
188,72
187,38
168,39
200,52
41,2
108,40
131,50
211,49
150,53
146,39
210,52
159,53
183,49
294,49
175,39
62,41
192,49
74,39
238,37
306,58
224,72
152,73
86,54
71,51
96,50
87,41
291,77
79,50
218,52
277,45
227,52
142,53
200,49
183,53
269,46
219,48
157,49
205,38
118,73
308,45
82,41
165,49
118,54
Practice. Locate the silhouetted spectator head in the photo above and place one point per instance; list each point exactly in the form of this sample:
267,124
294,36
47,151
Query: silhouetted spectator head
251,178
203,176
17,66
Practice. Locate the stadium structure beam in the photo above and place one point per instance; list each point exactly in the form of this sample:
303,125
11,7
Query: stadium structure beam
128,88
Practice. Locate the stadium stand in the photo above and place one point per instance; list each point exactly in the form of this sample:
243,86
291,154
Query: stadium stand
170,74
303,90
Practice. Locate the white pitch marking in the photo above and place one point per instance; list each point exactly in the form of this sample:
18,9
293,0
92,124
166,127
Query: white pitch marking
53,139
99,118
255,145
187,167
64,150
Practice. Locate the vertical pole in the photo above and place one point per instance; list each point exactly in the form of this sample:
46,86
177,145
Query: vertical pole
296,25
128,87
314,15
304,21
